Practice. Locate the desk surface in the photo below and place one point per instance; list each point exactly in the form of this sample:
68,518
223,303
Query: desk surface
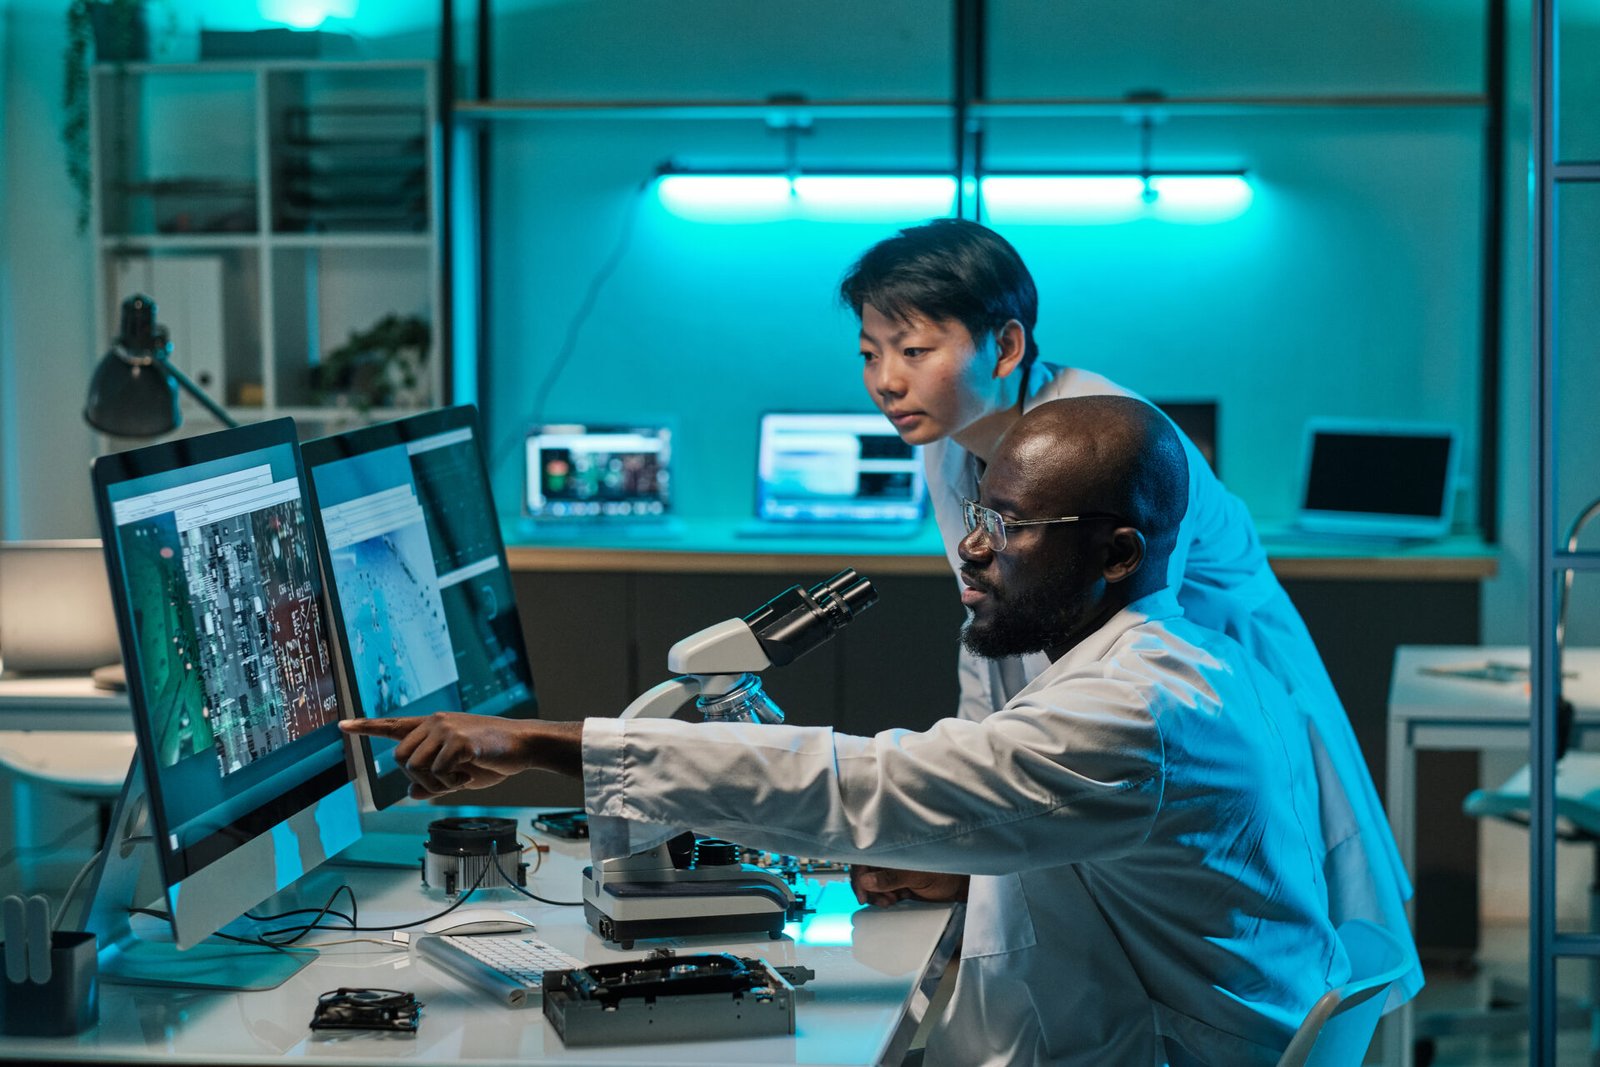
870,965
712,546
1417,692
66,702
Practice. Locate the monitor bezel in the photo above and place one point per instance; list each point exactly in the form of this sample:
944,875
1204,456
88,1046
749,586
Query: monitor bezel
923,502
205,902
1379,523
379,791
666,430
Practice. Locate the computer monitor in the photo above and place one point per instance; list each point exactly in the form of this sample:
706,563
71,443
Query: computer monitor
598,472
836,467
424,614
214,578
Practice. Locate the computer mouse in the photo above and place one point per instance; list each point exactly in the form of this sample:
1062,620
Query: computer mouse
479,921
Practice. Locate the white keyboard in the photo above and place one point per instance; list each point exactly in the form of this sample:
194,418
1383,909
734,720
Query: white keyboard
508,967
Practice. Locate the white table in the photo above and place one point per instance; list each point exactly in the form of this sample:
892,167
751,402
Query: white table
60,732
876,969
1430,711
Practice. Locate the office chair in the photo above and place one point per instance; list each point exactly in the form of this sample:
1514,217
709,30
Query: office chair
1339,1027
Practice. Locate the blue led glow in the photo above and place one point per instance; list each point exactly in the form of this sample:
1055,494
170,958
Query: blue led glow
817,197
1090,200
306,14
1110,199
833,928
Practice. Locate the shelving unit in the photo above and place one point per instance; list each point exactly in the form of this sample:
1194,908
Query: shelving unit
1559,171
271,209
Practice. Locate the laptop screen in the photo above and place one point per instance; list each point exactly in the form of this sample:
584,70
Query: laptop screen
588,472
836,466
1395,479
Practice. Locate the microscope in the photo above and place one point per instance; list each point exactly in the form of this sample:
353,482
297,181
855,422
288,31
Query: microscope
689,886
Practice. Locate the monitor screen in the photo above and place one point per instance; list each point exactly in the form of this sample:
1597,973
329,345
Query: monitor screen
423,607
216,586
836,466
599,472
1390,474
1395,479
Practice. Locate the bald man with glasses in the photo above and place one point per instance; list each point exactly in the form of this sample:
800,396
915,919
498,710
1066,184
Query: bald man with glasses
1142,870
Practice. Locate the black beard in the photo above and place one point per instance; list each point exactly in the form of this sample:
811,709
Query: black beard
1029,623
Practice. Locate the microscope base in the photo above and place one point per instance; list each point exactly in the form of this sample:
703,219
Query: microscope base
625,912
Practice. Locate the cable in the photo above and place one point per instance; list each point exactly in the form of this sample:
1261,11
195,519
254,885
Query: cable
494,854
72,889
49,846
585,307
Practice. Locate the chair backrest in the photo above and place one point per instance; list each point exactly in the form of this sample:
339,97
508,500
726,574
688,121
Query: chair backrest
1339,1026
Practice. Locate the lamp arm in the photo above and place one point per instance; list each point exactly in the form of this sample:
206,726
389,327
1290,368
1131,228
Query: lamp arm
188,385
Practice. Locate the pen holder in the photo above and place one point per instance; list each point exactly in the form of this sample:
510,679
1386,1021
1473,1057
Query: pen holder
68,1002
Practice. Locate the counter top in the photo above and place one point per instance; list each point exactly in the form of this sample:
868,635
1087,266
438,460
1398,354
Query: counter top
715,546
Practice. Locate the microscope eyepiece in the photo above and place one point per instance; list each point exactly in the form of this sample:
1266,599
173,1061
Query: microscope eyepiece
798,620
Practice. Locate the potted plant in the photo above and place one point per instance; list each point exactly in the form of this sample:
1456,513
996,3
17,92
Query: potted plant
378,367
116,28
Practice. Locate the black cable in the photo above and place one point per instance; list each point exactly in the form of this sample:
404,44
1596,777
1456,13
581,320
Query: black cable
569,343
494,854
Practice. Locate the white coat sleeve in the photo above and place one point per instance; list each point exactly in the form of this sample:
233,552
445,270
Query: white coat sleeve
1032,786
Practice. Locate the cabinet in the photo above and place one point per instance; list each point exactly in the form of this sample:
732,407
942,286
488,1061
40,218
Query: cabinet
272,209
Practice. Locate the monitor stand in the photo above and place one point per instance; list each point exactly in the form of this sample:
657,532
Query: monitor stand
128,957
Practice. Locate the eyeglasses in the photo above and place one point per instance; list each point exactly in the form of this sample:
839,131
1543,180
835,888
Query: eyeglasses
975,515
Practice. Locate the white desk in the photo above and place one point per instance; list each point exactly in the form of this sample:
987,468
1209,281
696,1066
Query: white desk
1428,711
65,702
875,970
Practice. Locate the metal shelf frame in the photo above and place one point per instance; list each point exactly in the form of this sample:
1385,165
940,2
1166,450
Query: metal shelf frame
1551,561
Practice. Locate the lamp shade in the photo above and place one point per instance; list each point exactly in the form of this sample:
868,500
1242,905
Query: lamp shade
131,398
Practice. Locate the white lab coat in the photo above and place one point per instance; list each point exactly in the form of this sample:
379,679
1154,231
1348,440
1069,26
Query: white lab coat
1224,583
1143,870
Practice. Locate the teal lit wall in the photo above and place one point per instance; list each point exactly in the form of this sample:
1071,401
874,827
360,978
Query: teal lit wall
1348,288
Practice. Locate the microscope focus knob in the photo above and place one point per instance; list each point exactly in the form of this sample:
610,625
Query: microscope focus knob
713,852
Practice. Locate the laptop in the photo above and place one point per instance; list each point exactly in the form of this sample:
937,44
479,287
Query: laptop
55,608
835,474
1392,481
579,475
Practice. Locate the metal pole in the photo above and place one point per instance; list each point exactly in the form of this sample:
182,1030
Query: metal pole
1541,756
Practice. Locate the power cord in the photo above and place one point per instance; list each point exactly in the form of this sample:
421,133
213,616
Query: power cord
581,315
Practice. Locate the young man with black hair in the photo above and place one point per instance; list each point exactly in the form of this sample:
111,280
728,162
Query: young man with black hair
947,312
1145,884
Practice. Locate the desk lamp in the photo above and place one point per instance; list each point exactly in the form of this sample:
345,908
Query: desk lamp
134,391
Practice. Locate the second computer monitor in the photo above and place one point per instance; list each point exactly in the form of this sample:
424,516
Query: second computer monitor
585,472
424,611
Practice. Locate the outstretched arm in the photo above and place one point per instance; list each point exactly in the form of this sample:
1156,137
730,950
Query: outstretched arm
450,750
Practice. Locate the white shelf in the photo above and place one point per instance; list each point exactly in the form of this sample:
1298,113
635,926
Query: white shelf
251,314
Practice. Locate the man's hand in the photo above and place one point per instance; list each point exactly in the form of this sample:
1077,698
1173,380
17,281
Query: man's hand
882,886
449,750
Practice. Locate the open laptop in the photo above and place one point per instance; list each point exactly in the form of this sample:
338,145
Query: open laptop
835,474
582,474
1380,480
55,608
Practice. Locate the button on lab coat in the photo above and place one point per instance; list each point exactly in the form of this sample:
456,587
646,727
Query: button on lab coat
1146,881
1224,582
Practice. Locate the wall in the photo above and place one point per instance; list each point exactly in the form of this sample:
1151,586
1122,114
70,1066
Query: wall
8,503
1348,288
